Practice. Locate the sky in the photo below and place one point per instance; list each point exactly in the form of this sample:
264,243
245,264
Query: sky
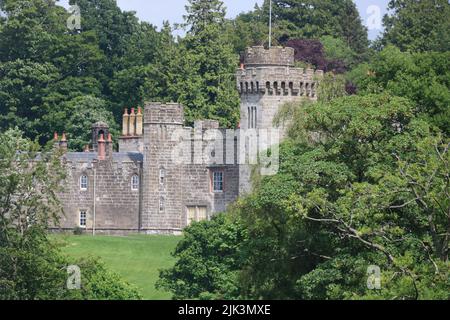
156,11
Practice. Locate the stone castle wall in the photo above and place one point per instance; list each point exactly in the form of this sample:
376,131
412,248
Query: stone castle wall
117,206
174,180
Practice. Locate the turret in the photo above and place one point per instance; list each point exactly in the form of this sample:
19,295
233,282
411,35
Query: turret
268,79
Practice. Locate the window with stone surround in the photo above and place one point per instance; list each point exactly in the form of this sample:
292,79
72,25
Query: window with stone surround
217,181
84,181
83,218
135,182
196,214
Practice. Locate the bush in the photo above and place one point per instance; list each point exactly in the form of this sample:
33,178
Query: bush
78,231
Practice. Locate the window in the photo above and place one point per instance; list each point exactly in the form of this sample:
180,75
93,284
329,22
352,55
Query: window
191,215
217,181
161,204
84,183
162,175
135,182
196,214
252,117
83,218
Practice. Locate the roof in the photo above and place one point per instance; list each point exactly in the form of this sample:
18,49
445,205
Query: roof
117,156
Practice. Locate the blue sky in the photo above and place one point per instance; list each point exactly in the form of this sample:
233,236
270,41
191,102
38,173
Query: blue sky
156,11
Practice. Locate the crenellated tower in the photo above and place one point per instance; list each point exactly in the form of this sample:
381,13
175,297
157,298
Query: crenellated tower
268,79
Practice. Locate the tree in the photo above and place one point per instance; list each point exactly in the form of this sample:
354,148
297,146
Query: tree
83,112
362,182
208,263
31,29
313,19
206,85
418,26
31,266
421,77
311,53
247,29
23,85
202,13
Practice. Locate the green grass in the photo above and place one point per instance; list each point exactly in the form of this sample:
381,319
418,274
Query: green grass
136,258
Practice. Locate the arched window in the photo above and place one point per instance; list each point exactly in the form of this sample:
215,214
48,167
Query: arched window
135,182
84,181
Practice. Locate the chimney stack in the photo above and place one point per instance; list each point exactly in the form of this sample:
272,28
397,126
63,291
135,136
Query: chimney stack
63,142
101,147
125,122
132,131
109,146
55,139
139,122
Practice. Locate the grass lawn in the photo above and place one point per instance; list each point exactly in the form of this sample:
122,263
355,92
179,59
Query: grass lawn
137,258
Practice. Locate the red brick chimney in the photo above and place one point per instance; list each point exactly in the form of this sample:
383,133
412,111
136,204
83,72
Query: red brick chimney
55,140
101,147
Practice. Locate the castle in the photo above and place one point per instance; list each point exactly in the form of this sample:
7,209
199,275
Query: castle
166,175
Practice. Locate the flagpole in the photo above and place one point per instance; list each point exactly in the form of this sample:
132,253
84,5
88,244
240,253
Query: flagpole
270,24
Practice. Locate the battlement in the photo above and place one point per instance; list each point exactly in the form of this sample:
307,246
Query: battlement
158,113
274,56
279,81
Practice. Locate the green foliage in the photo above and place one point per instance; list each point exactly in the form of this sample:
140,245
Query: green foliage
418,25
98,283
337,49
247,29
424,78
314,19
31,267
83,112
208,261
362,182
206,85
331,87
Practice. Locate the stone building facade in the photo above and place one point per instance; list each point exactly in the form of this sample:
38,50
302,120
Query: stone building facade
166,175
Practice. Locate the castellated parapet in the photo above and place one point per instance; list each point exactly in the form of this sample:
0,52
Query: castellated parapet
274,56
267,80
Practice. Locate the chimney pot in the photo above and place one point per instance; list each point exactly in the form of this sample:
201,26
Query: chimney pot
63,142
125,123
101,147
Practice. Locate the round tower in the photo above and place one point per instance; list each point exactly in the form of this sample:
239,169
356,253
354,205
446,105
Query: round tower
268,79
